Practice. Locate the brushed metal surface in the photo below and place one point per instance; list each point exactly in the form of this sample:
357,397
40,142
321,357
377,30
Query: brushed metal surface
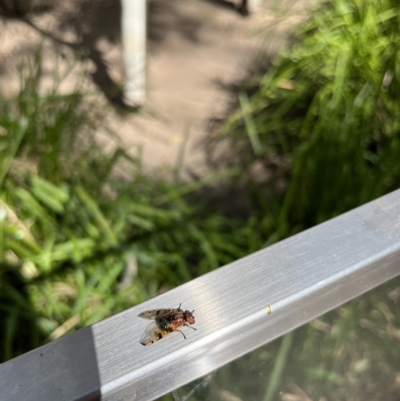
238,307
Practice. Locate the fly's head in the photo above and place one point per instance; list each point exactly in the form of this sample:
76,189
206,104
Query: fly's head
189,318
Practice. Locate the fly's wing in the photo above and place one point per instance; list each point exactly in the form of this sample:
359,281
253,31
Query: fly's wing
155,314
152,334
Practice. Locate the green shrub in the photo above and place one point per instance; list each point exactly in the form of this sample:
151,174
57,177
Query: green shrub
322,129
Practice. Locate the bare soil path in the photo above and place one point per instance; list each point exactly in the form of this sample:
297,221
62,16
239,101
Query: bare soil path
196,49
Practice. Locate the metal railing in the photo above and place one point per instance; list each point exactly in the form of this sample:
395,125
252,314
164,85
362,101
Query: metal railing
238,308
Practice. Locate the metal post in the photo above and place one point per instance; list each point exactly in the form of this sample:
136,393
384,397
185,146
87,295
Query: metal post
254,5
133,23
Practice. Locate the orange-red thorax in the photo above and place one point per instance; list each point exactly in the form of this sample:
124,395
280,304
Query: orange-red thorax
176,320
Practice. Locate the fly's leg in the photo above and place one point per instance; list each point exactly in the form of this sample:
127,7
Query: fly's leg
181,333
190,326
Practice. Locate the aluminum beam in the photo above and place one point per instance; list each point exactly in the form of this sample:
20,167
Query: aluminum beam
297,280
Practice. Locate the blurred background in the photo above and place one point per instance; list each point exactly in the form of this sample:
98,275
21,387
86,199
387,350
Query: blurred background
255,127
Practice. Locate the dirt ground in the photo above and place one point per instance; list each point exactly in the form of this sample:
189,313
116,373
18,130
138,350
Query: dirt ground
197,49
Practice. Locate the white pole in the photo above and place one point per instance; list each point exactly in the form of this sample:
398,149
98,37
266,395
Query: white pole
254,5
133,24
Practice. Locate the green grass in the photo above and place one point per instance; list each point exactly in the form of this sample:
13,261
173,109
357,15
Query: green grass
323,125
85,234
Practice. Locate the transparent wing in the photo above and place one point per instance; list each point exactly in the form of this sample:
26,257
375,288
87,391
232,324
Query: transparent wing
155,314
152,333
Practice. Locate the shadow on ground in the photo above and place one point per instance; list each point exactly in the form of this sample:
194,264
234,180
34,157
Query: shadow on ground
90,21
